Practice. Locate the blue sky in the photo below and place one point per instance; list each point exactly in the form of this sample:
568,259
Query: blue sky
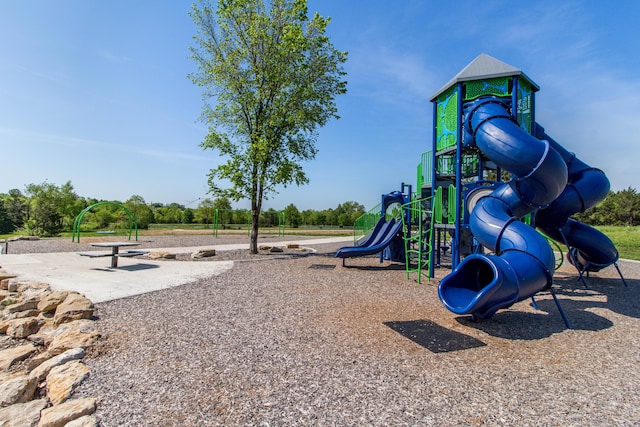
96,92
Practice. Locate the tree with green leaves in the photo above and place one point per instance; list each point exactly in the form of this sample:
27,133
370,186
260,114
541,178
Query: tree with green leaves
205,213
272,76
6,226
17,207
45,212
292,216
628,207
140,210
348,212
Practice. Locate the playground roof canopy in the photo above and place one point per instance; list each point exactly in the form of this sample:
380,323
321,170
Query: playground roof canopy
484,67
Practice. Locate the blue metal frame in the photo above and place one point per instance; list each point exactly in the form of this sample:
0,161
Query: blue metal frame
434,142
455,248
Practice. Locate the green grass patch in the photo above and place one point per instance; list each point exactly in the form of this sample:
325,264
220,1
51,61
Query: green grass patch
626,239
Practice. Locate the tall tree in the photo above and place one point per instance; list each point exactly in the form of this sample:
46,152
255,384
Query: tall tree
292,215
140,210
45,213
628,207
17,206
204,214
273,75
6,226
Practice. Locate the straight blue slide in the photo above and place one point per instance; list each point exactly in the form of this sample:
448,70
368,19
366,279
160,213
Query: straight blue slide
381,237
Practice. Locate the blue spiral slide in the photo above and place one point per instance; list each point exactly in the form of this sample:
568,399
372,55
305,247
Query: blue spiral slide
547,180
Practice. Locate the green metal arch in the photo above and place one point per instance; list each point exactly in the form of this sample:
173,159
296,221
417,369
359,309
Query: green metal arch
133,222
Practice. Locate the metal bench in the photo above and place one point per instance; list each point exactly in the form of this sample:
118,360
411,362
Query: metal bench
131,253
94,254
114,256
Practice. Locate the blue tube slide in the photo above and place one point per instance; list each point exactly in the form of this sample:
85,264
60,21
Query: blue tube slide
591,250
523,262
381,237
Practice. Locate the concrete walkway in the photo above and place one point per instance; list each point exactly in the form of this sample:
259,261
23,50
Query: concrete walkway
97,281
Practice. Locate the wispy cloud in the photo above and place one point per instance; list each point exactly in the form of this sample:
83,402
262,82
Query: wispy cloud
594,114
390,76
51,77
113,57
24,136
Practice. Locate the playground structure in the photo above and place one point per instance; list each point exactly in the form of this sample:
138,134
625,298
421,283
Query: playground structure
492,177
133,222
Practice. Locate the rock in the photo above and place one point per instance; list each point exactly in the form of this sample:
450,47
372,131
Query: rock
276,249
4,294
6,342
33,289
10,299
11,356
76,334
22,328
17,390
44,336
84,421
63,380
23,314
4,280
203,253
162,255
22,414
292,246
74,307
8,376
58,323
28,304
41,372
51,301
59,415
82,324
34,361
264,248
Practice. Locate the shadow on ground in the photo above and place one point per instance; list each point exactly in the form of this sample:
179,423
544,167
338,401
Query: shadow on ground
585,309
434,337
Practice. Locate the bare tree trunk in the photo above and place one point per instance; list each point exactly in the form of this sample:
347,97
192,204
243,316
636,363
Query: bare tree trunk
255,217
256,206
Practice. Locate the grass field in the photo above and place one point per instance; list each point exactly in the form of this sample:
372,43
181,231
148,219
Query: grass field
626,239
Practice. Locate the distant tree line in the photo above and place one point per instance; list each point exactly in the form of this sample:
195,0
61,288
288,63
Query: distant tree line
47,210
618,208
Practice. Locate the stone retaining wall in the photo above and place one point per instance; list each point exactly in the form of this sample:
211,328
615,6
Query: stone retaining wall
44,336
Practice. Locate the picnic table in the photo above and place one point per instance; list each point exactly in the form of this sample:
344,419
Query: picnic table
115,251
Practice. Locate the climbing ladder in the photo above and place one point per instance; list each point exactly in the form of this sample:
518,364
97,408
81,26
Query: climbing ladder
417,242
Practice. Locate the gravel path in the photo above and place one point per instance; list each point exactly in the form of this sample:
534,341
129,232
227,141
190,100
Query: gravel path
305,341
